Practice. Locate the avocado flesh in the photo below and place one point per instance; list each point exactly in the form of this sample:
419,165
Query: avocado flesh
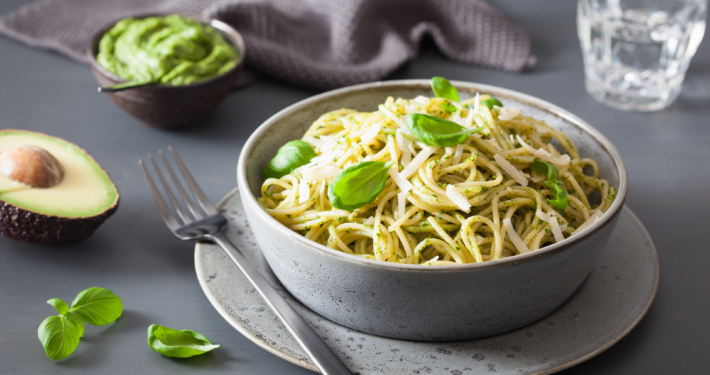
67,212
84,191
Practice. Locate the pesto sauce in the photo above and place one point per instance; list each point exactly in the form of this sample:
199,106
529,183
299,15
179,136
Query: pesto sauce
170,50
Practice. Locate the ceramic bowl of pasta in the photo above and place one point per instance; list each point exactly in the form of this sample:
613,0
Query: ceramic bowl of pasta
429,210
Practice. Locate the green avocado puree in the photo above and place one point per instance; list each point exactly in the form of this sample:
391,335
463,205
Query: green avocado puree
171,50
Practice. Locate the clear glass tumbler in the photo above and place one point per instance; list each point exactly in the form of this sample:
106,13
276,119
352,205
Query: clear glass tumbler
636,52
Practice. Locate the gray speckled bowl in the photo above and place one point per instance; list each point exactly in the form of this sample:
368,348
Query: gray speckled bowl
442,303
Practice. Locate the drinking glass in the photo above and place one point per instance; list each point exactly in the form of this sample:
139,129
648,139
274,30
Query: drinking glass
636,52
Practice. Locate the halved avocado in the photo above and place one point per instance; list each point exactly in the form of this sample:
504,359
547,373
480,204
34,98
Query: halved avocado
51,191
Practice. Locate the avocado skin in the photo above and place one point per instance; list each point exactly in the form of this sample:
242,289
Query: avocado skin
40,229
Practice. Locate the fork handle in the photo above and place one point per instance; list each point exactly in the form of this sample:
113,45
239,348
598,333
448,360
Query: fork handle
317,350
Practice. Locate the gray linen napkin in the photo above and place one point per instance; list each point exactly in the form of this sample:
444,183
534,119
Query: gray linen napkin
319,44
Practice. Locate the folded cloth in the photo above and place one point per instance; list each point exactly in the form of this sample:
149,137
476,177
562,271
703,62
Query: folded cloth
320,44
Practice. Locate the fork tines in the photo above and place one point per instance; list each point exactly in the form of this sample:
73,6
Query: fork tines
196,212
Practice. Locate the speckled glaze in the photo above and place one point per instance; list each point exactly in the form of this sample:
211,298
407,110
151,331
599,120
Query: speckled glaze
610,302
409,302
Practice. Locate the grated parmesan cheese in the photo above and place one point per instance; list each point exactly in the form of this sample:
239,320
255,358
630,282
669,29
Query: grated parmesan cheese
476,105
405,131
511,170
507,114
541,128
556,231
457,119
544,154
406,157
459,199
403,145
519,244
347,124
314,141
458,153
595,216
424,146
321,173
421,157
543,216
399,138
434,259
538,177
422,99
403,184
370,134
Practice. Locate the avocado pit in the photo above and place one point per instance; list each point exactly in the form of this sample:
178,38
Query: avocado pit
32,166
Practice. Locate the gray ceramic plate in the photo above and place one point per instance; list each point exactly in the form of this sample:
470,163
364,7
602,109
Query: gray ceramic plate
610,303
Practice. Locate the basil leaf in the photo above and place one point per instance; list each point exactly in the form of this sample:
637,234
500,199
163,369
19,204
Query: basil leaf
59,305
448,107
542,167
444,89
434,131
490,102
76,319
358,185
560,200
289,157
60,335
97,306
177,344
553,174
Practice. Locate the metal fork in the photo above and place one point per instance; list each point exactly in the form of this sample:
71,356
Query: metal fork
203,222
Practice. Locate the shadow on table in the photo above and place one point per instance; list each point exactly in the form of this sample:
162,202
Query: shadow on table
129,321
214,359
98,341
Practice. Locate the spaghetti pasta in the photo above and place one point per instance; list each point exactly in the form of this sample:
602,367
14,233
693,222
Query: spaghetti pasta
472,202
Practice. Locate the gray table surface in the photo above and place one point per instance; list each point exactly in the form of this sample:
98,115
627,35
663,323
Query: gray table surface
134,255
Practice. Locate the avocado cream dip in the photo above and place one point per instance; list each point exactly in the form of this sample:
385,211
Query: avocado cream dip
171,50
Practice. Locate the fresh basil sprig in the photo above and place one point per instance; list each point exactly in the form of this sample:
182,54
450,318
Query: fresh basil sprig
289,157
59,334
177,344
552,173
97,306
490,102
358,185
444,89
434,131
59,305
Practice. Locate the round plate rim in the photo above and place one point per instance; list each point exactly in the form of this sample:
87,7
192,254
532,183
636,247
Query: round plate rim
296,361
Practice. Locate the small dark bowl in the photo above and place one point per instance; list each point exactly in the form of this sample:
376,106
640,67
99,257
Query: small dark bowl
166,106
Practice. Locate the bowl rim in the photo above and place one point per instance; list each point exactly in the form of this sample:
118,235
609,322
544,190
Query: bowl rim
250,200
228,32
